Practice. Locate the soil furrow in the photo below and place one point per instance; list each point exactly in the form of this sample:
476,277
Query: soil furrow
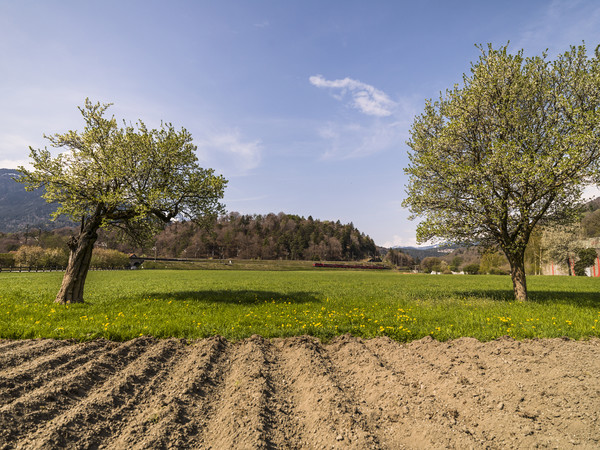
283,427
298,393
489,398
404,412
102,413
439,406
19,354
328,416
10,344
243,405
175,415
18,380
52,399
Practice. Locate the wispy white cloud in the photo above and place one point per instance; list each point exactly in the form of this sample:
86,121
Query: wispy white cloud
366,136
560,24
14,150
365,98
14,163
229,152
406,240
383,125
28,112
591,192
263,24
354,140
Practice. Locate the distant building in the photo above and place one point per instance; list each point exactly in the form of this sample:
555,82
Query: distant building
553,268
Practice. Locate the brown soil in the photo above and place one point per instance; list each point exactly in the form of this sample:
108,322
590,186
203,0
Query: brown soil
300,393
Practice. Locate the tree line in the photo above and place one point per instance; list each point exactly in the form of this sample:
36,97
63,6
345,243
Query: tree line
234,235
256,236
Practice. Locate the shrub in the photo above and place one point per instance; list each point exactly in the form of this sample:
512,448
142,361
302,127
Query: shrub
587,258
491,260
471,269
54,257
29,255
431,264
455,264
7,259
108,259
398,258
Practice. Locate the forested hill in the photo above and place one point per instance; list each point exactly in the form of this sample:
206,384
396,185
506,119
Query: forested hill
271,236
20,209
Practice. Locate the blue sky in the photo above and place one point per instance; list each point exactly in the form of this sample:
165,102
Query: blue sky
304,106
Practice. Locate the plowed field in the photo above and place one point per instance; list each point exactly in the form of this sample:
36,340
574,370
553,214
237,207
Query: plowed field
299,393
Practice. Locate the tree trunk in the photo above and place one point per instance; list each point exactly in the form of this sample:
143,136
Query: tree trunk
71,290
517,273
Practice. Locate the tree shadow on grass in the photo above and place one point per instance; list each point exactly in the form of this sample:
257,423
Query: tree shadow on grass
584,299
238,297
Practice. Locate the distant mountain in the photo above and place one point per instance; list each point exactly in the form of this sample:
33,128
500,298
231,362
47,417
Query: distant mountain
436,250
592,205
422,252
19,208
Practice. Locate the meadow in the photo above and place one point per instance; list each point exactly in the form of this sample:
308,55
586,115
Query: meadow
236,304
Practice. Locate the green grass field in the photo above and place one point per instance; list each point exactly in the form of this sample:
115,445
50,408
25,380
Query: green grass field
191,304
